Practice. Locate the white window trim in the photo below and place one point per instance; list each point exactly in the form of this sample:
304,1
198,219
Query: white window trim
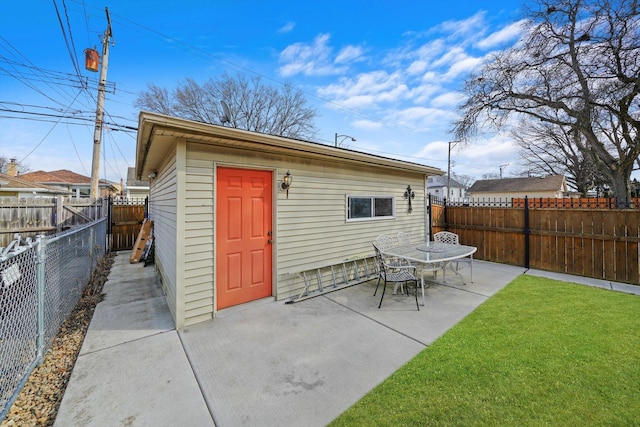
373,218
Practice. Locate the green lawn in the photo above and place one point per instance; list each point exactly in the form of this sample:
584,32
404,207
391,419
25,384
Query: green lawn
539,352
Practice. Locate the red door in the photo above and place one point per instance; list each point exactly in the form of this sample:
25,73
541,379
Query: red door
243,236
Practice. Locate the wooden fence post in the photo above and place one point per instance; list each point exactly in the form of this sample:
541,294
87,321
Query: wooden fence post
446,217
59,212
527,232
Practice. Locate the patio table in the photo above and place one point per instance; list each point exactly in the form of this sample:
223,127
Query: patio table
432,252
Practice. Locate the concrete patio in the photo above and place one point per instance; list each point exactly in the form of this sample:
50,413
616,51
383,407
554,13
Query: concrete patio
265,363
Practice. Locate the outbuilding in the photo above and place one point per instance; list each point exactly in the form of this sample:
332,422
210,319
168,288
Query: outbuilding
237,215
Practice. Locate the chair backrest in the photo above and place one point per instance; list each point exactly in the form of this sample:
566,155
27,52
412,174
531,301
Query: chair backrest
404,238
380,259
446,237
384,242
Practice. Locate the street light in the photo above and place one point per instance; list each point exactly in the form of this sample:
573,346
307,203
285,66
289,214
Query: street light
449,169
343,138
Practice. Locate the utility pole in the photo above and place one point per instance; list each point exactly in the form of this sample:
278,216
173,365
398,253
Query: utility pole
449,170
97,134
502,167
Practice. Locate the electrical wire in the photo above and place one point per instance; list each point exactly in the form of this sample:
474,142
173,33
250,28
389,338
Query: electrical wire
76,150
70,49
196,51
48,133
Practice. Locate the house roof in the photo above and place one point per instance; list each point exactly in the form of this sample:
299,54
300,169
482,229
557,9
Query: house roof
157,133
10,183
58,177
62,176
441,181
132,181
508,185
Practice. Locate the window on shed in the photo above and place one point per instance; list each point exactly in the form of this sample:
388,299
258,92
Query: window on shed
370,207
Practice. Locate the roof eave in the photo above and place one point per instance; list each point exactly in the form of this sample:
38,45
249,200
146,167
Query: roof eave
152,124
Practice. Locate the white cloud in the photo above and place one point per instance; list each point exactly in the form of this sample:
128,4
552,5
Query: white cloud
448,100
287,28
422,118
464,65
310,59
506,34
367,125
474,25
422,93
349,54
417,67
367,89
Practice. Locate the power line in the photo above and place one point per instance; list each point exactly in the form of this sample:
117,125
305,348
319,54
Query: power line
113,128
70,49
76,150
49,132
205,54
47,75
112,125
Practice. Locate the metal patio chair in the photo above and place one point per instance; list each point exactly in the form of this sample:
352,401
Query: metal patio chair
395,274
383,242
404,239
453,239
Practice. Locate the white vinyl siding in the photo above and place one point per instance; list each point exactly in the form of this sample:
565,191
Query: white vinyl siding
311,228
162,210
199,240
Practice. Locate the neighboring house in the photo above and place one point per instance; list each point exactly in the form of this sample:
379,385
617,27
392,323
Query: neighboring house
136,188
78,185
553,186
437,186
226,231
12,187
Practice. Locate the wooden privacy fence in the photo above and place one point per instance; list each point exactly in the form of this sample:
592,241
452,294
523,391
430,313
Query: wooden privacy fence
126,217
598,243
32,216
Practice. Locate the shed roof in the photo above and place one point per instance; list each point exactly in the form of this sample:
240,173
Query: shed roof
506,185
157,132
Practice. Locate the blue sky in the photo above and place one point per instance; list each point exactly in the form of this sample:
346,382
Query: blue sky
387,73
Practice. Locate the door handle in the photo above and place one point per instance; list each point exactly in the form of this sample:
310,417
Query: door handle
270,241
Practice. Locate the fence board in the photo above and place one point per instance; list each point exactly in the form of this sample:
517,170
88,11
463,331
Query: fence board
33,216
126,221
575,238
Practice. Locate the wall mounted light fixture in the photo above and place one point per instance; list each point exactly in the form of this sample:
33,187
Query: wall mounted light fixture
152,175
409,194
286,182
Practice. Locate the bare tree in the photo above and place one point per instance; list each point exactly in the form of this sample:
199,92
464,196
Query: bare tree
576,67
547,149
465,180
155,99
252,105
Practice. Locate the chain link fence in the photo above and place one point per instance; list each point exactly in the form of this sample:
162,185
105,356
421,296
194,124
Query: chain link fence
41,282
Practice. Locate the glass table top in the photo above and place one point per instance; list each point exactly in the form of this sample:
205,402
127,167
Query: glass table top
427,252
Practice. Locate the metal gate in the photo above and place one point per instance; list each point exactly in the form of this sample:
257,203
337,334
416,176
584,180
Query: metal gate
125,220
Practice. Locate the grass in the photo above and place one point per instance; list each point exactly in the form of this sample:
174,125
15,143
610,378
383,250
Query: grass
539,352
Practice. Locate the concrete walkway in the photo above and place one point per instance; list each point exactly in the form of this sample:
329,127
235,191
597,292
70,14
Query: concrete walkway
264,363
